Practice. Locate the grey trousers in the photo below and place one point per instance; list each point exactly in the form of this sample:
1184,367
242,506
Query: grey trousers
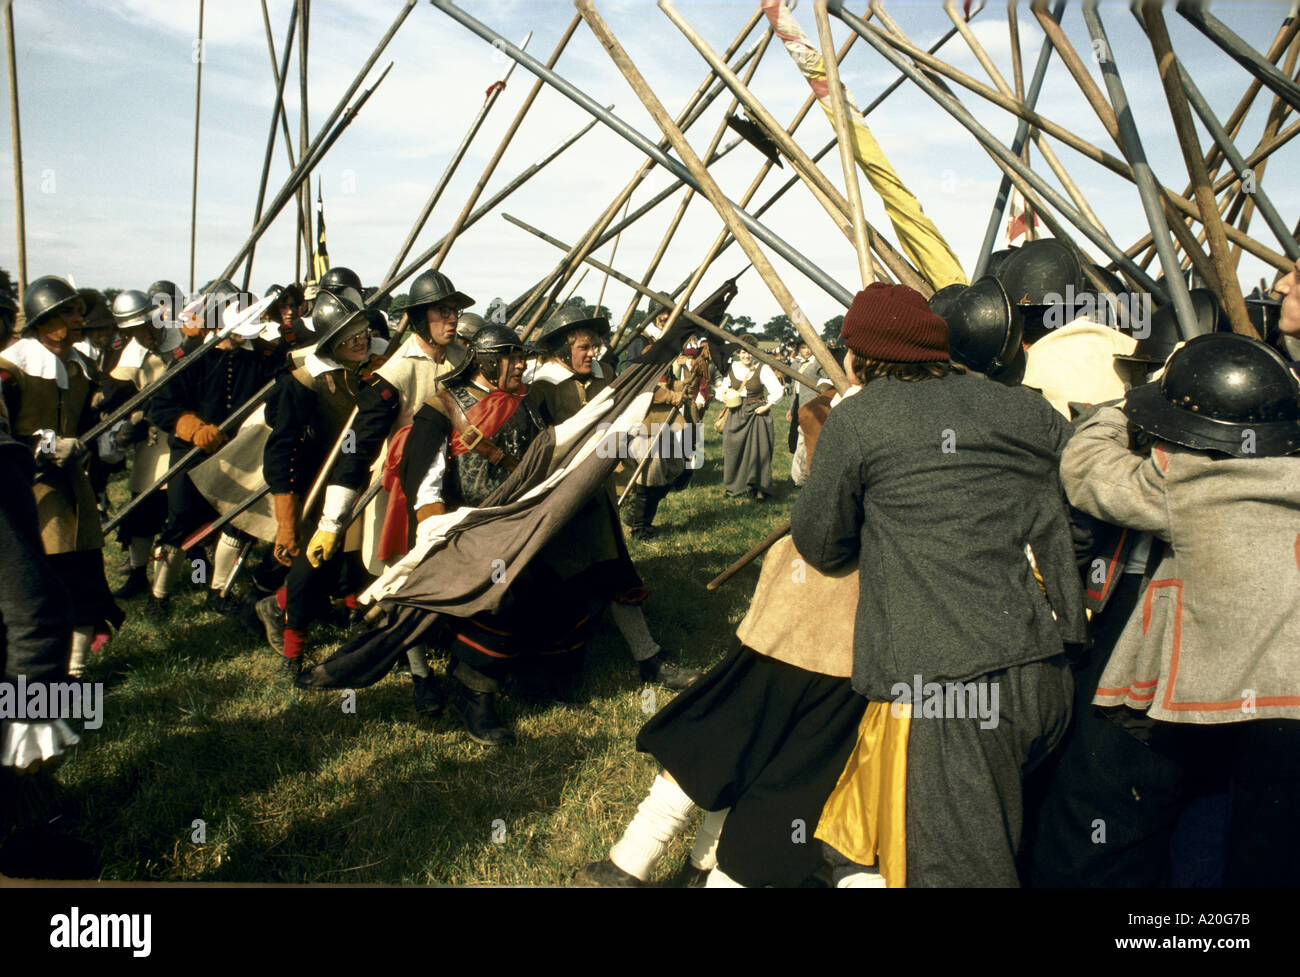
964,803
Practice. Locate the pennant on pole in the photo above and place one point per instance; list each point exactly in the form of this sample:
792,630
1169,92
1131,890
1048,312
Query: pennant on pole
917,235
1021,219
321,260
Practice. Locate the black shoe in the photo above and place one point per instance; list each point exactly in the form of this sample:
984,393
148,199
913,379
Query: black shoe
605,875
644,532
478,710
688,877
290,668
676,677
137,582
271,618
428,697
157,606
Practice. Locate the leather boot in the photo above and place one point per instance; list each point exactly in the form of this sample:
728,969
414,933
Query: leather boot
137,582
478,710
428,697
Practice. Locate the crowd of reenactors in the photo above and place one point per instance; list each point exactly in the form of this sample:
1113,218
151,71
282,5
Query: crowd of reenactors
1072,514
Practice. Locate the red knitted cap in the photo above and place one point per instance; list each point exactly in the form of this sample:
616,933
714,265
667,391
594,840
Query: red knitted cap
893,323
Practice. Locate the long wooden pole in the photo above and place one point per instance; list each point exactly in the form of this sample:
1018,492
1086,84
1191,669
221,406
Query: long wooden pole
450,238
710,189
278,117
15,129
199,55
493,93
699,100
1229,288
843,136
825,192
303,246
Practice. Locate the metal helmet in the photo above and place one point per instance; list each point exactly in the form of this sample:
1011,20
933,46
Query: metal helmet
567,320
468,325
1265,314
47,297
1041,272
167,296
1164,335
378,323
132,308
490,344
944,301
96,314
983,333
342,323
458,365
332,309
1223,392
338,278
430,288
224,287
997,259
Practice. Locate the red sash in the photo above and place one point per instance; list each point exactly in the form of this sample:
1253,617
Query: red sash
489,415
392,537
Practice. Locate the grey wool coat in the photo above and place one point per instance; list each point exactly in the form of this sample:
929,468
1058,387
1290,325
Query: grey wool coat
935,488
1216,637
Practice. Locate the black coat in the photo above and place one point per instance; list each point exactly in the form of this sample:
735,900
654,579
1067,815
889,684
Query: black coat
934,488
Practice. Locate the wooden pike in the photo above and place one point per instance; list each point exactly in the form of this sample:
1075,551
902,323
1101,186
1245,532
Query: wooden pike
304,245
832,201
711,190
194,183
459,224
844,136
749,557
695,106
1229,288
20,210
493,93
650,453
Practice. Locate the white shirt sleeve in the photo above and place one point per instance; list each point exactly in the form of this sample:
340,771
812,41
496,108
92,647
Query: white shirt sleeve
772,383
430,490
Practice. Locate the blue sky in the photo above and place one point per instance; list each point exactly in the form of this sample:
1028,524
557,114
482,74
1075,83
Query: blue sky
107,101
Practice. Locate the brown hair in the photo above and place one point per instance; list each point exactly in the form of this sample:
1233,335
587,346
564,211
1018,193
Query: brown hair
869,369
564,351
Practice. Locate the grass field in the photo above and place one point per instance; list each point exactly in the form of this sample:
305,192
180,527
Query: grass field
290,787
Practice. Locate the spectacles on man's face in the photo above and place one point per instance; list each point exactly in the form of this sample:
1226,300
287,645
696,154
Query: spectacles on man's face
447,311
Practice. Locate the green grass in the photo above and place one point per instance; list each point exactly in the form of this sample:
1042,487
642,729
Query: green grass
197,725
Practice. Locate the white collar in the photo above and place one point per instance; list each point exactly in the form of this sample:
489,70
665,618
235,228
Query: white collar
412,348
319,365
30,356
553,371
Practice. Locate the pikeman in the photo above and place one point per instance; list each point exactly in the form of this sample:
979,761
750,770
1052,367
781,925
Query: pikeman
153,346
285,321
98,343
307,413
47,388
564,383
385,406
191,407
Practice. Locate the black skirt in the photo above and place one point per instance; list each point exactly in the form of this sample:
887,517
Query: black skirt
82,572
767,740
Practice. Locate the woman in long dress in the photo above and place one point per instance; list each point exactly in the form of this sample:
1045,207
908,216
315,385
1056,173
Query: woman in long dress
750,389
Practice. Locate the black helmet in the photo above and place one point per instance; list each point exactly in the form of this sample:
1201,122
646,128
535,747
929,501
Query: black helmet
132,308
1265,314
430,288
1223,392
468,325
1163,334
490,344
338,278
1041,272
223,287
997,259
96,314
569,319
333,309
458,365
47,297
378,323
171,292
944,301
983,334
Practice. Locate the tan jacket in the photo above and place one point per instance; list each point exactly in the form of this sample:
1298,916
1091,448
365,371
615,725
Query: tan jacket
1216,638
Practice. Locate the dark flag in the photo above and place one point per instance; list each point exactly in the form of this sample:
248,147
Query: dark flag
465,561
321,260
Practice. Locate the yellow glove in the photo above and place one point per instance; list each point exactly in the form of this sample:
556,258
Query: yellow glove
323,545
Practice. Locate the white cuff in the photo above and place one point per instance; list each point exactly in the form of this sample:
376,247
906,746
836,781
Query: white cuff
23,744
337,507
430,490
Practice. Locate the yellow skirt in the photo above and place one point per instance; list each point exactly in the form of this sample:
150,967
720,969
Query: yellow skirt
865,817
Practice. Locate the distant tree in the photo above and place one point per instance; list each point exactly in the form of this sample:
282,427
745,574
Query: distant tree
741,324
8,286
831,328
779,329
578,302
496,311
399,302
